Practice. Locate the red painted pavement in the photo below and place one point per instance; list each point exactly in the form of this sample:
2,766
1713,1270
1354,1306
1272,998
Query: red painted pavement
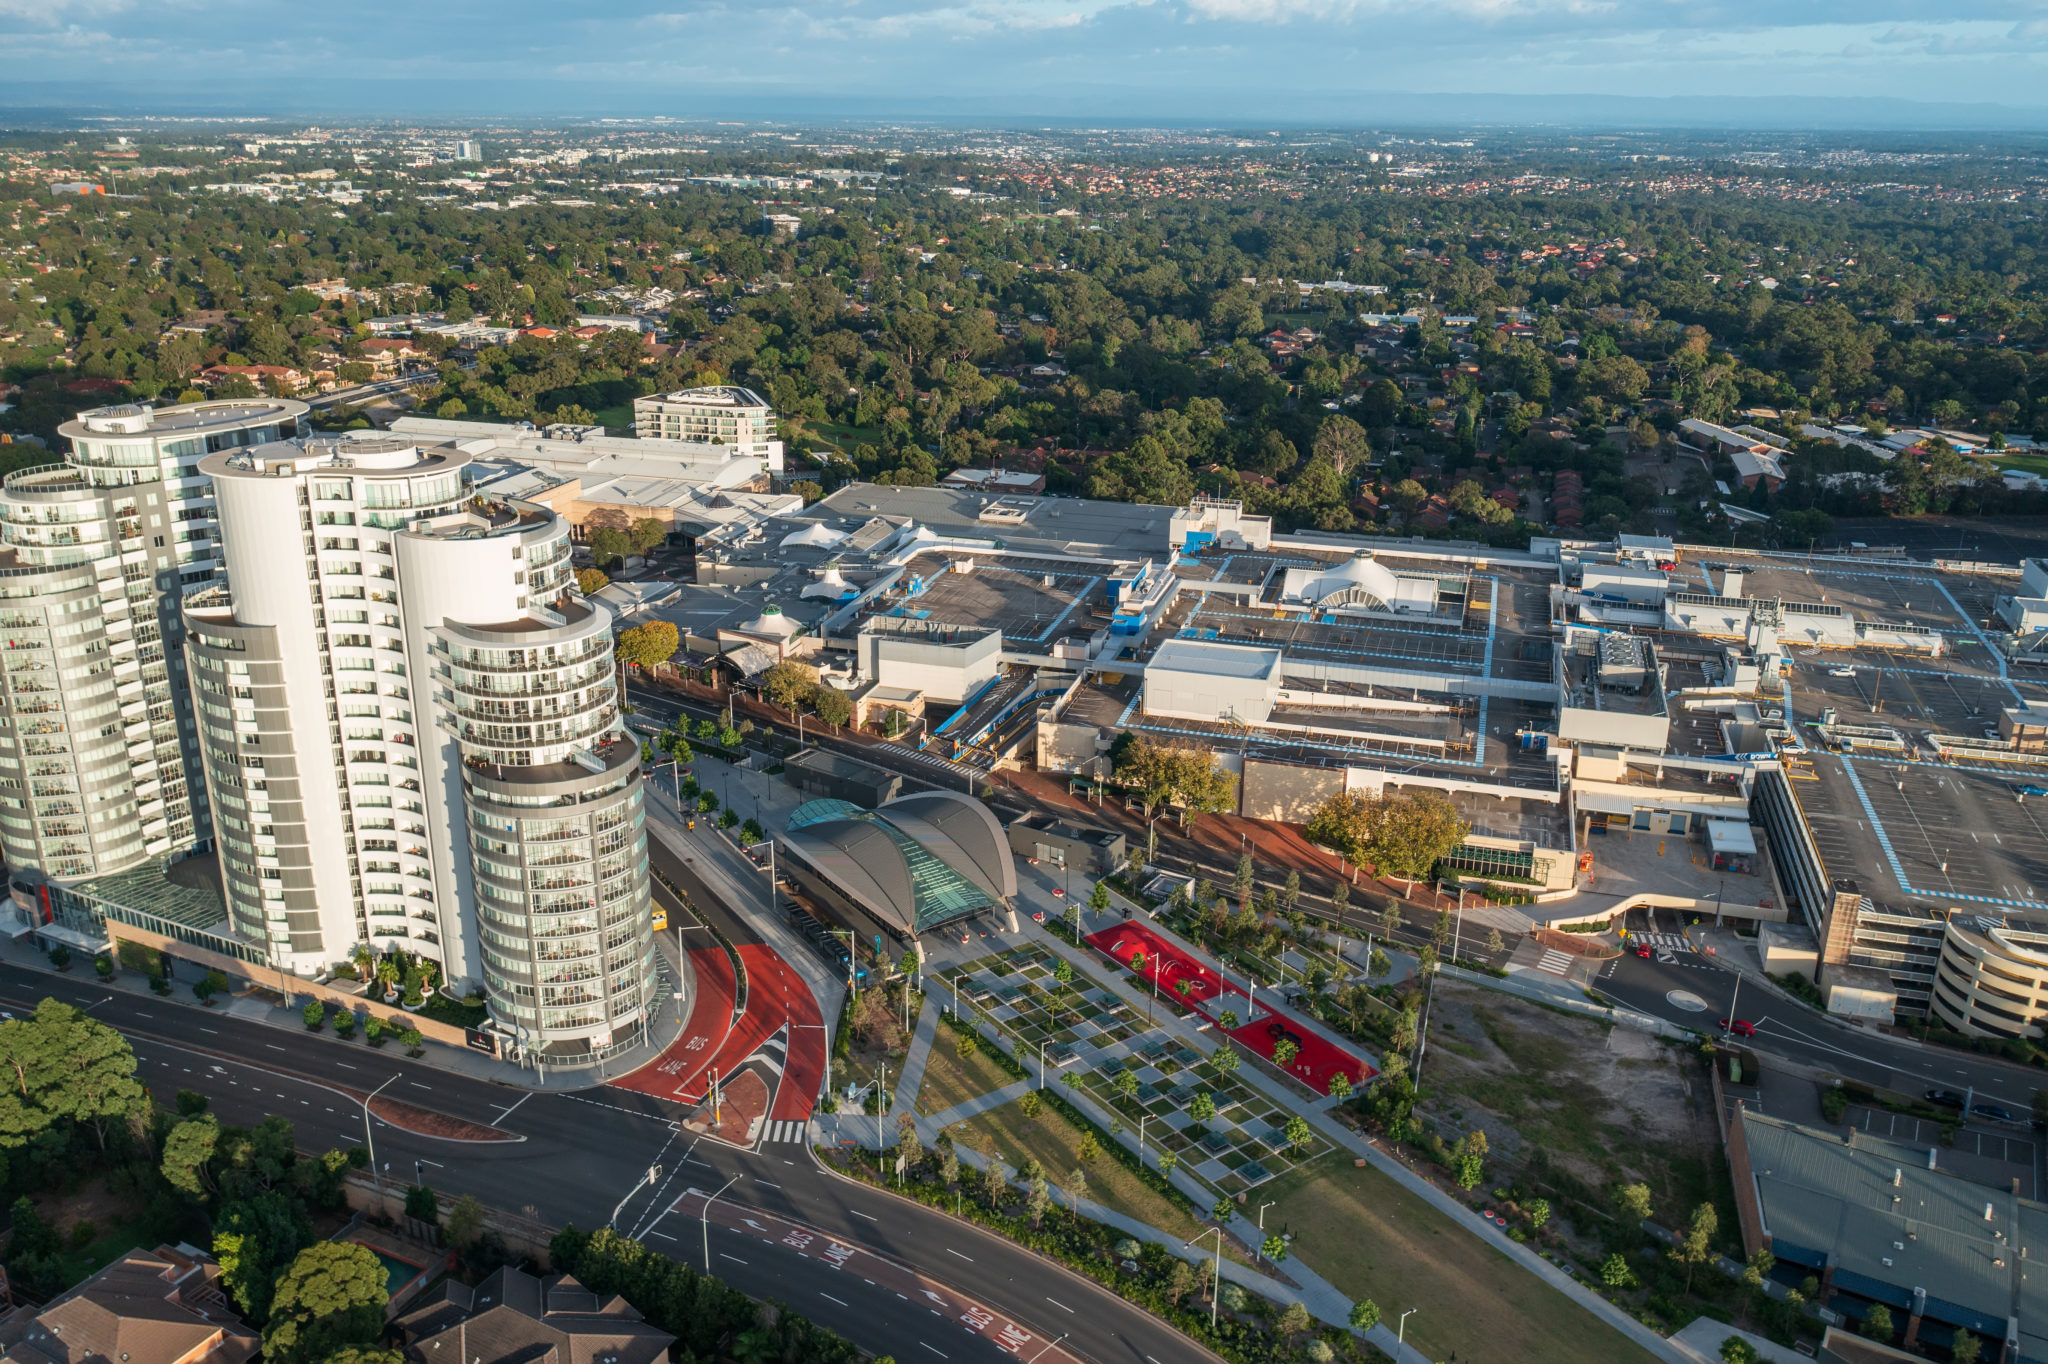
713,1044
1124,941
774,988
1317,1060
673,1073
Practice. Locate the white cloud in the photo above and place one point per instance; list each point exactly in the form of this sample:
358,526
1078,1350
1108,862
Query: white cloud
59,13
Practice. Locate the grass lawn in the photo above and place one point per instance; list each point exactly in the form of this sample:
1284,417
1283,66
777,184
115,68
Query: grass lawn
1372,1238
1056,1144
616,419
2032,464
840,436
950,1079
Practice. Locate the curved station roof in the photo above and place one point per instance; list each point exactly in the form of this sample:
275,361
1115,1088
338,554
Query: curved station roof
915,862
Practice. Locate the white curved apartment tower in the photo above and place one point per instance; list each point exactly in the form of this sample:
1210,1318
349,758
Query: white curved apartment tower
412,736
96,731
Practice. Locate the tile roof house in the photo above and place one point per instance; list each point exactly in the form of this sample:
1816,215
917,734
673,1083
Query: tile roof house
515,1318
148,1307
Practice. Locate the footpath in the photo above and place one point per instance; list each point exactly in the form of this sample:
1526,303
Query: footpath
257,1000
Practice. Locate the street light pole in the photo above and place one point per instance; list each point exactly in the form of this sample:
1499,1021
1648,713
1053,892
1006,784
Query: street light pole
707,1220
1215,1289
1047,1346
1401,1334
370,1138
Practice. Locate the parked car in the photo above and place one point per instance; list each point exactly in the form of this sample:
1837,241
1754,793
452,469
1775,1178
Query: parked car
1841,672
1741,1027
1944,1098
1992,1112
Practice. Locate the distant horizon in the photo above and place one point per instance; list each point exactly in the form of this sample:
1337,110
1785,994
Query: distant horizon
56,105
1719,63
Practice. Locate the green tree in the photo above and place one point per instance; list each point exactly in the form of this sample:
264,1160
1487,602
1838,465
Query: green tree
330,1298
1695,1245
834,706
187,1150
789,684
1298,1133
591,581
1877,1322
1294,1320
1634,1203
1340,1085
61,1064
1098,899
1365,1314
608,547
1964,1348
1539,1213
255,1239
647,535
1284,1052
1402,835
649,644
1274,1248
1171,773
1471,1159
1202,1107
1615,1273
1736,1350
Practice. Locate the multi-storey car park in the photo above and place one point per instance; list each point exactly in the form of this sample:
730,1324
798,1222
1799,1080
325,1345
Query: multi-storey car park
96,732
412,737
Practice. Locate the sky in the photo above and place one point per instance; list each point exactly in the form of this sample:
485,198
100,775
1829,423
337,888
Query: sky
1283,60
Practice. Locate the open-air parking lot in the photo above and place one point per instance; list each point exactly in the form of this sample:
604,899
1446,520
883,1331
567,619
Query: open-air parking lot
1870,686
1940,834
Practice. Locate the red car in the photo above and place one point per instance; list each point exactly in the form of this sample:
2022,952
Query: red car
1643,950
1739,1026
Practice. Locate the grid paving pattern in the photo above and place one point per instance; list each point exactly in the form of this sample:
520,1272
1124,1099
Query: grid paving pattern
1104,1048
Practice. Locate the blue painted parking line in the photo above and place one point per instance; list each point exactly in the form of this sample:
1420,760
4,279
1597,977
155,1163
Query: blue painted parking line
1997,658
1898,868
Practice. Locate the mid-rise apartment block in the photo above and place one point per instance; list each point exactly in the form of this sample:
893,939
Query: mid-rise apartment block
413,738
719,415
97,739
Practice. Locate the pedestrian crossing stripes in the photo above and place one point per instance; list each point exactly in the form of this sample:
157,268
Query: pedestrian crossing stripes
1670,942
1555,962
786,1130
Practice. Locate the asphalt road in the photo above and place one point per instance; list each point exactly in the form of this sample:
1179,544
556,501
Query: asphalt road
582,1155
1800,1034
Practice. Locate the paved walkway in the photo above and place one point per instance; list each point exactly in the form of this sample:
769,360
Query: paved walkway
928,1128
259,1008
917,1056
